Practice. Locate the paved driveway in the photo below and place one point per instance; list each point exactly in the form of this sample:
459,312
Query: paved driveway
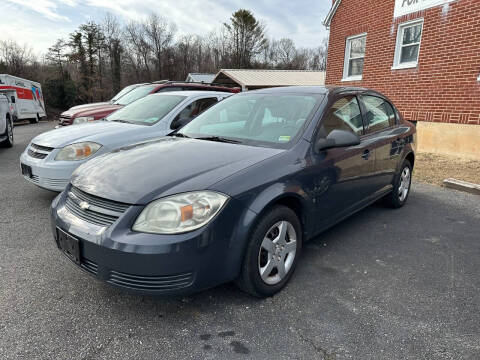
384,284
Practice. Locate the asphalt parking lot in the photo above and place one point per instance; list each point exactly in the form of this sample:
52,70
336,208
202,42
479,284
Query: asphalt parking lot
385,284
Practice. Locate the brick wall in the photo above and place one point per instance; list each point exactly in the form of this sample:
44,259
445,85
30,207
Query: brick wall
444,87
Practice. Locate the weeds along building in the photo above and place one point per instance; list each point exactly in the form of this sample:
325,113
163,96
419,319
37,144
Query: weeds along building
423,54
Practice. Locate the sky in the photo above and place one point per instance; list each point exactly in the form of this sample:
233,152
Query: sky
39,23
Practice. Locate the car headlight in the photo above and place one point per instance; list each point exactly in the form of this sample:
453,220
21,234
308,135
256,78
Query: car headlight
83,119
79,151
180,213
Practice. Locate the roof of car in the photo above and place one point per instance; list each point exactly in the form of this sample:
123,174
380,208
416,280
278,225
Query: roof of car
309,89
193,93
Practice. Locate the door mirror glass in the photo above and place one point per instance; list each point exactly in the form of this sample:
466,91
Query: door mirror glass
13,99
337,138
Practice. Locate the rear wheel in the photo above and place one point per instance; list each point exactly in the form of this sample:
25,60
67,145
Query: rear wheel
8,142
272,253
35,120
401,187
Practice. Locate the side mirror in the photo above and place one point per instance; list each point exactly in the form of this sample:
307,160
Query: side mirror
337,138
13,99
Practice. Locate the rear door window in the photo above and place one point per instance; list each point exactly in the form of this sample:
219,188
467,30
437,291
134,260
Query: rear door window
379,113
196,107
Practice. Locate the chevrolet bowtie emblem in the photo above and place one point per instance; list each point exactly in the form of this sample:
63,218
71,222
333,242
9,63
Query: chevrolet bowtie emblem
84,205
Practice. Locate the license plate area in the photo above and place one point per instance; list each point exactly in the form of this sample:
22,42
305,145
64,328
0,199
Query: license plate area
69,245
26,170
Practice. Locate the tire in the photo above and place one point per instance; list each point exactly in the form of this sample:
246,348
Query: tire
35,120
282,251
399,196
9,141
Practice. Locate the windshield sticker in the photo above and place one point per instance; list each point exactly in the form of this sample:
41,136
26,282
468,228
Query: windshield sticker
284,138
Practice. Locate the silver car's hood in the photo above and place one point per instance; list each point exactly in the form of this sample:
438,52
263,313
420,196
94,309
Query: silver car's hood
102,132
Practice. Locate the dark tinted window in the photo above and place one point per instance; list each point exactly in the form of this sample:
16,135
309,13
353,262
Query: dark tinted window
196,107
379,113
343,115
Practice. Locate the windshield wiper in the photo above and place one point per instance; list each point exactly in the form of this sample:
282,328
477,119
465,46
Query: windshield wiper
180,135
121,121
219,139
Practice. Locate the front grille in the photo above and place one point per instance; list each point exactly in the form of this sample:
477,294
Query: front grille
39,151
143,282
42,148
52,183
37,155
65,119
94,209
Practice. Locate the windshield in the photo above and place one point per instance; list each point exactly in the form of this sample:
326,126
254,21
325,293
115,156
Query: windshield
255,119
147,111
135,94
123,92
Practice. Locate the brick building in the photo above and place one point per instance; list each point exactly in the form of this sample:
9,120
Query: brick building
423,54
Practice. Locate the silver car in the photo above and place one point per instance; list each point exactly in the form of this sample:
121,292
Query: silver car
6,122
50,158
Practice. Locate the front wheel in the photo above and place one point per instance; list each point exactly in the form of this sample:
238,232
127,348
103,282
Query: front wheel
401,187
35,120
272,253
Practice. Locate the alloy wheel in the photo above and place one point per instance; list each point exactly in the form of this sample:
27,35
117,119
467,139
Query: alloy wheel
10,132
404,186
277,252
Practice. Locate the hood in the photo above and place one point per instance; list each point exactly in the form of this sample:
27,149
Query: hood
97,131
85,106
144,172
93,110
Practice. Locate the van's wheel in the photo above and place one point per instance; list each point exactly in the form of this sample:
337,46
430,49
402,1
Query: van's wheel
35,120
401,187
8,142
272,253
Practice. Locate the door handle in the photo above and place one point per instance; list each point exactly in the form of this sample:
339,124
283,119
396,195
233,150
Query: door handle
366,154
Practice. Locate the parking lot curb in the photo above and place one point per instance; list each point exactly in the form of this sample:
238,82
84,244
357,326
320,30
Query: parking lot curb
462,186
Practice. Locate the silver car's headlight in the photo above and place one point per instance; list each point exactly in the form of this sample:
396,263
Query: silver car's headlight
180,213
83,119
79,151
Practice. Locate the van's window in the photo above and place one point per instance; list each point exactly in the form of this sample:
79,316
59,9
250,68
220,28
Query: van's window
379,113
255,119
343,115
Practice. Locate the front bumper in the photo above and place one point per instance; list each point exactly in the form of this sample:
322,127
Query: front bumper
159,264
48,173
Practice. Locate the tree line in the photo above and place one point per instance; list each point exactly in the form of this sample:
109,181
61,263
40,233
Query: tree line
99,58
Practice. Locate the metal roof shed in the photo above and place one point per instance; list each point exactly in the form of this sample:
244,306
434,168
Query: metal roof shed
258,79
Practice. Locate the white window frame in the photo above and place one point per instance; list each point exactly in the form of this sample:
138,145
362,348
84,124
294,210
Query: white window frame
399,45
346,61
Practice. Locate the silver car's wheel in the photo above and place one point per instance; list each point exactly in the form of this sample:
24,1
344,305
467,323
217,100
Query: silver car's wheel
277,252
404,186
10,132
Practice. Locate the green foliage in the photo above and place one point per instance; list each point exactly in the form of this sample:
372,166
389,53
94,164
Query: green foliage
60,93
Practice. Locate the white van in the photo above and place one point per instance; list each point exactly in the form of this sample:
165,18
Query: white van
26,97
6,122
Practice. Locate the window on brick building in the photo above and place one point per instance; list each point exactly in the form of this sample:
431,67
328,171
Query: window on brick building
379,113
354,57
409,37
